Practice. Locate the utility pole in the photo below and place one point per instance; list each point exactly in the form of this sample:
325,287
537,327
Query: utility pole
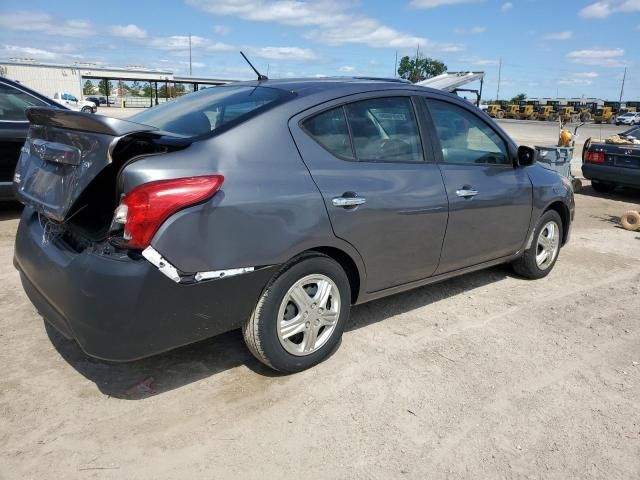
624,77
190,73
499,79
395,70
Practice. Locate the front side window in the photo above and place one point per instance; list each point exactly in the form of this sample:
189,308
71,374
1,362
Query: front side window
465,138
385,130
330,130
209,109
14,102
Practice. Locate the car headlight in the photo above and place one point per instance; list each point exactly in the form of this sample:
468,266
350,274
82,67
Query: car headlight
567,183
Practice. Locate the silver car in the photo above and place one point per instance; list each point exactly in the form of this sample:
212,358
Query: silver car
271,206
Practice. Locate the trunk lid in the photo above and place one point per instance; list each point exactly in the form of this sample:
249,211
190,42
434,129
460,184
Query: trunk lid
63,153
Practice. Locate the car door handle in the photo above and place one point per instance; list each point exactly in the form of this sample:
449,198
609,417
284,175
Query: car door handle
466,192
345,202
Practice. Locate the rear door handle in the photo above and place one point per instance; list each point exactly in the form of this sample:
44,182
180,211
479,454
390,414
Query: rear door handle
466,192
348,201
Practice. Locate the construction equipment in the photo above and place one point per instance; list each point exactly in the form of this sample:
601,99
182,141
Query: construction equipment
495,111
604,115
511,111
547,112
527,112
569,115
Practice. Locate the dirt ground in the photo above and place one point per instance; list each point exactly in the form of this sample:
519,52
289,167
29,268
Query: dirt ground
483,376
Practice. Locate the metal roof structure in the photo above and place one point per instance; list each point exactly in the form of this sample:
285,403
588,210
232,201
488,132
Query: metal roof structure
451,81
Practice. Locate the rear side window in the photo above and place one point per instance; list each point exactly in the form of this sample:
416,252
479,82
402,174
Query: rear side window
207,110
375,130
14,102
465,138
330,130
385,129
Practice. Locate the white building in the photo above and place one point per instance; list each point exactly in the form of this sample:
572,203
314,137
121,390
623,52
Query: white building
49,78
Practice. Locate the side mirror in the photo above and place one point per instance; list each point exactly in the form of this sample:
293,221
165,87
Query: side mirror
526,156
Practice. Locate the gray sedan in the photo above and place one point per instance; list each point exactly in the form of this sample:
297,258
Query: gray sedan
271,206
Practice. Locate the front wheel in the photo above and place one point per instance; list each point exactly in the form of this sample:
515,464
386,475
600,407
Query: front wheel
299,319
87,110
538,260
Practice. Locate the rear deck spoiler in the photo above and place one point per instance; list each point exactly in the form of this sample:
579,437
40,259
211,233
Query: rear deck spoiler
85,122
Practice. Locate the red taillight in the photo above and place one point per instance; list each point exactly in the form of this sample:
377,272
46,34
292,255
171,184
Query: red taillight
147,206
595,157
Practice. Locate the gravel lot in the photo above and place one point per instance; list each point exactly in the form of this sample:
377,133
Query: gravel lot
484,376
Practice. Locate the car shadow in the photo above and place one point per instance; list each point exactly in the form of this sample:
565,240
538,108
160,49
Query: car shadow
623,194
10,210
177,368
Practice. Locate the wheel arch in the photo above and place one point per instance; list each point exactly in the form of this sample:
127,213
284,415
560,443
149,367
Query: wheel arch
565,216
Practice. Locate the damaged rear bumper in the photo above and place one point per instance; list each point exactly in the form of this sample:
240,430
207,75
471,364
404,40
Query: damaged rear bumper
121,308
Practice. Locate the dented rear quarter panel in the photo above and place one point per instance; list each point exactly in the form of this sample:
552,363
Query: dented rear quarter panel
267,211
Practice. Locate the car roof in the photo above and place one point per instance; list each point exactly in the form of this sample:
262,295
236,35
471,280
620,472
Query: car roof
307,86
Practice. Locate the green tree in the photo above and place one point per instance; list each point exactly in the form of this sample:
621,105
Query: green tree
135,88
103,85
418,68
147,91
521,97
88,88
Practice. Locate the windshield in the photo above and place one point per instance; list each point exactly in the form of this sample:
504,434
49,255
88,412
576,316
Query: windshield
204,111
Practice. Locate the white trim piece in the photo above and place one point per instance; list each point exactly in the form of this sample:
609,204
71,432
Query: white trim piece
161,263
222,273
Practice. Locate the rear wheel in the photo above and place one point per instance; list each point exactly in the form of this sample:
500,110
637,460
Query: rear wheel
602,187
87,109
300,317
538,260
500,115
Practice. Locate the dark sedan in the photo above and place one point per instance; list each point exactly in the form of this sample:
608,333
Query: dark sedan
609,165
271,206
14,100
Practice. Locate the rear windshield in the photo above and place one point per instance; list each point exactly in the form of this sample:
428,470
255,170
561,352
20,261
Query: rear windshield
207,110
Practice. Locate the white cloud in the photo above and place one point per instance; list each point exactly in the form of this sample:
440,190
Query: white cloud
605,8
220,47
481,62
558,36
177,42
473,30
605,57
28,52
347,69
575,81
44,23
128,31
333,23
506,6
586,75
282,53
438,3
221,29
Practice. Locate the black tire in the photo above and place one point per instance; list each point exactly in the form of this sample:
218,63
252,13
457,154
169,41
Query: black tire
87,110
260,330
603,187
526,265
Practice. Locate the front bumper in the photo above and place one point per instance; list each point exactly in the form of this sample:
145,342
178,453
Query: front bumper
629,177
123,309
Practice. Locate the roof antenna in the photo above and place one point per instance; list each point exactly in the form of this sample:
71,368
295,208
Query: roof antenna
260,76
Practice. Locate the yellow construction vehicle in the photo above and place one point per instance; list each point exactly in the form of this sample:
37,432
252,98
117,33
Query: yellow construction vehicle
511,111
547,112
569,115
604,115
527,112
495,111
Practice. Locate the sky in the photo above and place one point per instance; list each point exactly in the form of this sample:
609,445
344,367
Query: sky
547,47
